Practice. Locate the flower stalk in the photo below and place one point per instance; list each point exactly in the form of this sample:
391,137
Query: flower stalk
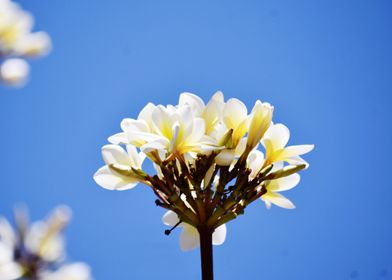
206,253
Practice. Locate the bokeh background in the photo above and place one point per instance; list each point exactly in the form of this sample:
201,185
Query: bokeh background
325,65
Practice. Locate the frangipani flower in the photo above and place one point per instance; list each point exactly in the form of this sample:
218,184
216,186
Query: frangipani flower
273,187
190,238
36,251
275,141
18,42
208,164
120,171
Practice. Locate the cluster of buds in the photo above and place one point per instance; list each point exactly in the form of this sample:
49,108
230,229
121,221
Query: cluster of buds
208,164
18,42
36,251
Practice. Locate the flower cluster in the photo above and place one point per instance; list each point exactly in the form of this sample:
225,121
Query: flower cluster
36,251
208,164
18,42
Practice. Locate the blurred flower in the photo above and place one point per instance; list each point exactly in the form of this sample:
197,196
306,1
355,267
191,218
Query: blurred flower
208,164
18,41
37,251
14,71
75,271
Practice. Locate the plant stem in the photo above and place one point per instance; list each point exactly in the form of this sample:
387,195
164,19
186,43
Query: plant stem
206,252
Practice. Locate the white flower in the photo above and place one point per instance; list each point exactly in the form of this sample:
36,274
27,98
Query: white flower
261,118
275,141
124,162
44,238
9,269
18,41
211,113
255,162
189,238
74,271
14,71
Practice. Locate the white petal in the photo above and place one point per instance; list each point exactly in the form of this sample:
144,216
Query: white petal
170,218
146,113
7,234
278,200
107,179
297,150
73,271
14,71
130,125
261,118
160,144
297,160
119,138
255,162
219,235
234,113
189,238
225,157
241,147
208,176
114,154
192,100
218,96
197,131
285,183
34,44
162,121
134,157
10,271
279,135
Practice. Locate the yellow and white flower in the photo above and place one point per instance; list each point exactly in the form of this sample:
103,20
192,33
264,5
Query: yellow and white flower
256,162
275,141
119,171
17,41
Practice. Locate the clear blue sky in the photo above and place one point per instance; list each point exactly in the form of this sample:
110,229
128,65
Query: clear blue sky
325,65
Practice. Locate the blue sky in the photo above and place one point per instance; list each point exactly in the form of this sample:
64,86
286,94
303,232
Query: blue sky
326,66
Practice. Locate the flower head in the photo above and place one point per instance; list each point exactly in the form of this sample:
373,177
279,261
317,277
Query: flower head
208,164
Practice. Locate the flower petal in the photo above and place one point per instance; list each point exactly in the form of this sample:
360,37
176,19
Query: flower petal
278,200
170,218
189,238
192,100
278,135
107,179
114,154
284,184
234,113
219,235
297,150
225,157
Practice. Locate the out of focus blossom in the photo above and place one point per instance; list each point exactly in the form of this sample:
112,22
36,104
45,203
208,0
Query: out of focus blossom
36,251
17,40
